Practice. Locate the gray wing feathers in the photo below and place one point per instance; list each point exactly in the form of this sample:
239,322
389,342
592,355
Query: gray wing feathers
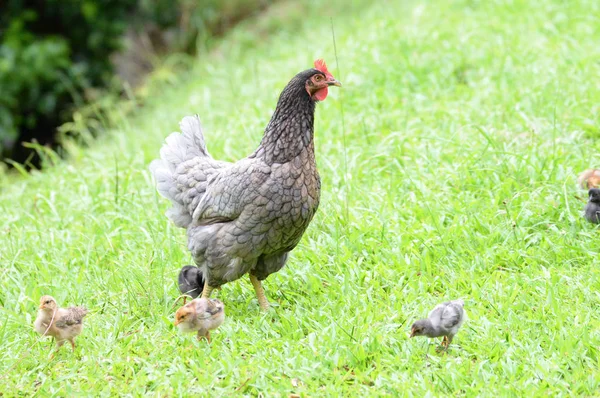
212,309
207,309
73,316
448,314
452,314
228,193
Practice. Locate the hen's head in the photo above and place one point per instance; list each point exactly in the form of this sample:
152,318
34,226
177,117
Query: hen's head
47,303
318,80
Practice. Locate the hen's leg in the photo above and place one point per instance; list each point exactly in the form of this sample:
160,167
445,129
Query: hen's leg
260,293
207,290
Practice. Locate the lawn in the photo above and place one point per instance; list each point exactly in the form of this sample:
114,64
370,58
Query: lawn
448,164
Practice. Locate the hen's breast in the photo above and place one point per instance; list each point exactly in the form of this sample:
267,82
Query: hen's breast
287,202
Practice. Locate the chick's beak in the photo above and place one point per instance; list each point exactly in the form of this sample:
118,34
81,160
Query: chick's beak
412,333
333,82
177,322
41,307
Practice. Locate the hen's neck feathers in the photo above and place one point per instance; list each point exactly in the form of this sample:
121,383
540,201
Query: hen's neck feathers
291,127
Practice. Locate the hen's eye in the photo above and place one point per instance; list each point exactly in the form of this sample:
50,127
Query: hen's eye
318,78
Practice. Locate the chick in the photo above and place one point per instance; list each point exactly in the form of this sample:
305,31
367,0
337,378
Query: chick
592,209
191,282
60,323
444,320
201,315
589,179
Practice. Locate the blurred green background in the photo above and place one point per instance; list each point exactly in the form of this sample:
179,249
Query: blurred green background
55,55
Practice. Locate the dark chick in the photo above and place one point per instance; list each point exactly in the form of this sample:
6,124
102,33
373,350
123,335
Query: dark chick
592,209
245,217
190,281
444,320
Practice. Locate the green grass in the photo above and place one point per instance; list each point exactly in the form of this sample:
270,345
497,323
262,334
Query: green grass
451,174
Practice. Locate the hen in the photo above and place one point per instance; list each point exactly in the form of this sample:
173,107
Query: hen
245,217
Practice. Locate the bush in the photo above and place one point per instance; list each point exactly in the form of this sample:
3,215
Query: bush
53,52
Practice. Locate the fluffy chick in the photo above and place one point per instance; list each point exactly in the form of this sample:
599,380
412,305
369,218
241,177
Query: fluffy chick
444,320
61,323
201,315
589,179
592,209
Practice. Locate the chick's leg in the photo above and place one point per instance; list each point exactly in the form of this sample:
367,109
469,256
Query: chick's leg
203,335
207,290
72,344
448,341
260,293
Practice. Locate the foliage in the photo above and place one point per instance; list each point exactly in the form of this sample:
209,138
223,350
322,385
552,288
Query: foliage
50,53
53,53
448,163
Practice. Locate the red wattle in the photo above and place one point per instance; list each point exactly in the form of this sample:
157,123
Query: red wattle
321,94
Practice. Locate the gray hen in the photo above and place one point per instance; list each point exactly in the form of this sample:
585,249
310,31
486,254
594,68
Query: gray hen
592,208
444,320
245,217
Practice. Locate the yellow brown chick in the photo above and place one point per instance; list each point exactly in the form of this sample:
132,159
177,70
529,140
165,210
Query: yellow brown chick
200,315
589,179
61,323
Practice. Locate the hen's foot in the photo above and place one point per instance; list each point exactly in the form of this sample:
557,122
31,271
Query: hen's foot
260,293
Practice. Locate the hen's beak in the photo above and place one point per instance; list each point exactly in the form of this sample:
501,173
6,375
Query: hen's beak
334,82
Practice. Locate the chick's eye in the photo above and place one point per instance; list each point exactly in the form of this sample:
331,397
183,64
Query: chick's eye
47,302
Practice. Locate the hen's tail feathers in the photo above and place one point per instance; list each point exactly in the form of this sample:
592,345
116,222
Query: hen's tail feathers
178,148
191,281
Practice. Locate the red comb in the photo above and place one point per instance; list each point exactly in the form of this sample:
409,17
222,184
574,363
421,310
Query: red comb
321,66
